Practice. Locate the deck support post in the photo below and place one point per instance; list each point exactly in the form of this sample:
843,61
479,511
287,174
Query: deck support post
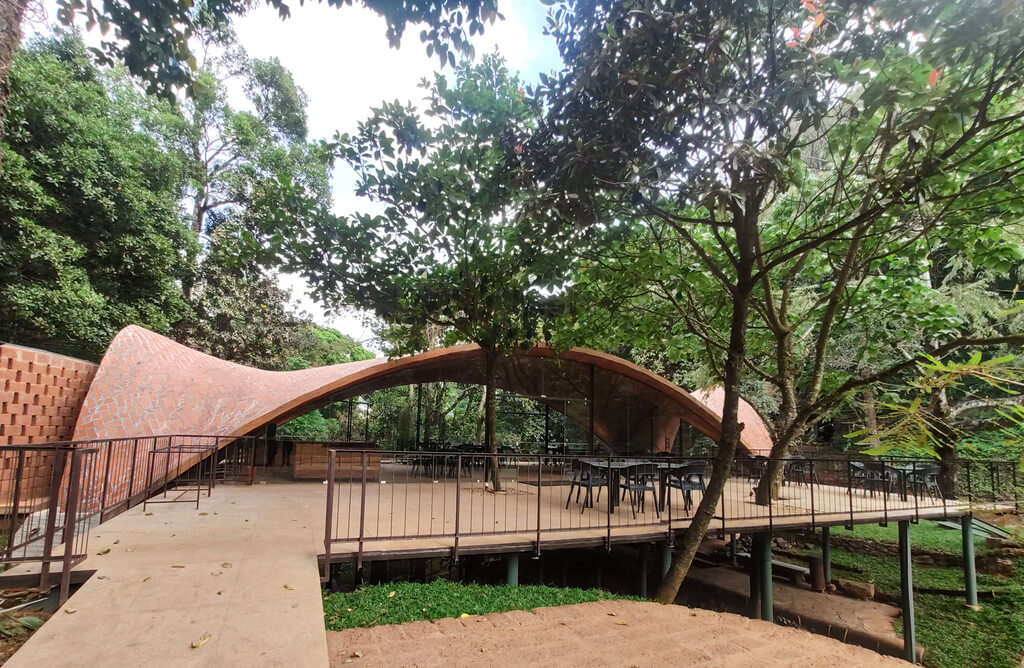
512,569
907,592
970,574
764,566
644,562
666,558
826,555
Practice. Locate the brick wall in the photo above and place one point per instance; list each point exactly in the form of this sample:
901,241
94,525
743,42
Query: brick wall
41,394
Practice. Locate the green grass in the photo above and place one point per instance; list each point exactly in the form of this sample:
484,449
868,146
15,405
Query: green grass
399,602
953,635
927,535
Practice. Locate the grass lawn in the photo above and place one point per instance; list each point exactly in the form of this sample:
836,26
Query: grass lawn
953,636
399,602
925,534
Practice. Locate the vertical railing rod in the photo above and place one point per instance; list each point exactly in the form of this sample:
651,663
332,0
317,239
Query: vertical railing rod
540,489
458,502
106,479
362,515
849,486
612,496
131,478
12,523
810,481
329,521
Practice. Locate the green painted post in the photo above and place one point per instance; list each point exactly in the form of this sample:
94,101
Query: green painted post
907,591
826,555
970,575
512,569
666,558
765,579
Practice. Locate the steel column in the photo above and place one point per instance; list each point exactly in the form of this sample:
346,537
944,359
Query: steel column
765,579
970,575
826,555
644,560
907,594
512,569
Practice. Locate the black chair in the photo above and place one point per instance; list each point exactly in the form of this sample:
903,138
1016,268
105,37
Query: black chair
873,476
923,477
640,480
688,478
588,476
800,471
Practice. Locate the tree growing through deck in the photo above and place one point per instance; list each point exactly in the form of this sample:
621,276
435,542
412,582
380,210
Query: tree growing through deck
697,116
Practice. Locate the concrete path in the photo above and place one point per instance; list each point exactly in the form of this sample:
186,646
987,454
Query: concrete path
242,569
606,633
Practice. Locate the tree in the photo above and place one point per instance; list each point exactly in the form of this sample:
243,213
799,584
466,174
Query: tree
91,238
447,250
697,115
152,38
232,152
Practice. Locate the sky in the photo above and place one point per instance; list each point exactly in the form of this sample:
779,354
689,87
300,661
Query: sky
341,59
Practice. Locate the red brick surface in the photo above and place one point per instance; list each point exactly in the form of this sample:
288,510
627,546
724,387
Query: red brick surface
148,385
40,394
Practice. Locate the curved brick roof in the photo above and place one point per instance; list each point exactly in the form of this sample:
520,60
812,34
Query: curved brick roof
148,384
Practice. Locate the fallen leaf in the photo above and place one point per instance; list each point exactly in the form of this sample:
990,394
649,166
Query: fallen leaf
117,541
289,588
611,614
623,623
70,611
105,550
148,514
204,513
145,578
215,572
357,655
177,565
392,594
220,592
226,564
203,639
464,616
101,577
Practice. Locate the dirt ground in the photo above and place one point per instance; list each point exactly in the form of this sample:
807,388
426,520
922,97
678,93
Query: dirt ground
605,633
12,634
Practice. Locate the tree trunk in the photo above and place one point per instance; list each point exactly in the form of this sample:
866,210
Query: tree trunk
11,14
775,468
481,414
870,415
491,416
730,439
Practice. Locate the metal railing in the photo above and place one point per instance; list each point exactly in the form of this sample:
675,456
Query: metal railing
42,488
378,496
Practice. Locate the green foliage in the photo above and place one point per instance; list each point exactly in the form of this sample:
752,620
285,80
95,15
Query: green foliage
448,250
90,235
928,535
398,602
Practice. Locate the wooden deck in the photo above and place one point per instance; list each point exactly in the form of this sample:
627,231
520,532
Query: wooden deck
412,516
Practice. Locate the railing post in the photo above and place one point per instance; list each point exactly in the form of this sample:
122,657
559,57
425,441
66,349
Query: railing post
362,516
12,524
458,501
540,489
106,479
74,491
810,481
612,495
131,477
849,487
59,460
329,522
